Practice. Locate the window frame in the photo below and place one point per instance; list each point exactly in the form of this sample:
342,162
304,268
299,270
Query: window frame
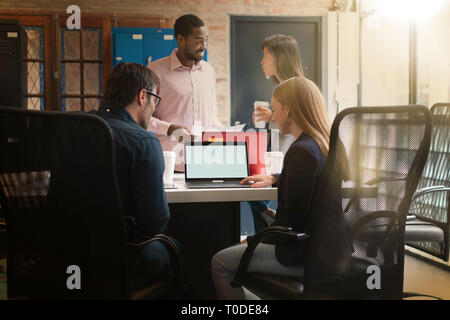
52,21
44,21
104,23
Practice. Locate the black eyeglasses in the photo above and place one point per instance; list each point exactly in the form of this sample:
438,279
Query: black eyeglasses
158,98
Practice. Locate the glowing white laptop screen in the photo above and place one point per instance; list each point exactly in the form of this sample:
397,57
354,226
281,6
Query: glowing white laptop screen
216,161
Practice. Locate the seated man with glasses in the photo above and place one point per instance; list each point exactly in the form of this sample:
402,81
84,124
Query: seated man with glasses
127,106
158,98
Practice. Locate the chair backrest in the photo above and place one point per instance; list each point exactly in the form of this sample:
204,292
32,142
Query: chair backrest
358,225
434,207
59,193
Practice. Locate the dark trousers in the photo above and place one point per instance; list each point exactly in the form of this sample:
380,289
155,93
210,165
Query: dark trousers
257,208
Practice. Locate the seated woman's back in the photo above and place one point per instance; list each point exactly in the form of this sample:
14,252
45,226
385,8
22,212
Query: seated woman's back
298,110
297,184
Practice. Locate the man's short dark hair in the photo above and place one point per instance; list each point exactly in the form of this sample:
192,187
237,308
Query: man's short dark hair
184,24
125,82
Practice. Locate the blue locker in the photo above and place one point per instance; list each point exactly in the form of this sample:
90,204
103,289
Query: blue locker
143,45
128,47
158,45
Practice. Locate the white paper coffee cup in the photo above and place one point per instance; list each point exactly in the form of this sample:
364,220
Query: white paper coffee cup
274,162
169,167
261,123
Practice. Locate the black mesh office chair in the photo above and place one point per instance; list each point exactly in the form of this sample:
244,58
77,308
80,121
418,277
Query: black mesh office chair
2,235
59,194
356,251
428,226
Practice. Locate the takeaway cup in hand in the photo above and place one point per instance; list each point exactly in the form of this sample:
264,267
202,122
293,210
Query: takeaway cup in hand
169,167
274,162
261,123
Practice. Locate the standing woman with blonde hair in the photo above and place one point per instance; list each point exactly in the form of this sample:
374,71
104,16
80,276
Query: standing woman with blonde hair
281,61
298,110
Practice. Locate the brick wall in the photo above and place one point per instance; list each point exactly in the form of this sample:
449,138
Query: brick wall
215,14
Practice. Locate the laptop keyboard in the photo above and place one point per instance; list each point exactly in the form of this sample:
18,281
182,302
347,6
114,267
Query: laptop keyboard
216,185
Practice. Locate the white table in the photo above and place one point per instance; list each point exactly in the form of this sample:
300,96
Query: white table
184,195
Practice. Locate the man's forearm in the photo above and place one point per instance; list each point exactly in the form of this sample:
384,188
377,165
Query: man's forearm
158,126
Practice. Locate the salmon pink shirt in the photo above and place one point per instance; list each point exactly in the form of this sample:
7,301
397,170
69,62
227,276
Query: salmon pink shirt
188,98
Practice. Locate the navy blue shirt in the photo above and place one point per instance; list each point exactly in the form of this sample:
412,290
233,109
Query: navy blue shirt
302,166
140,169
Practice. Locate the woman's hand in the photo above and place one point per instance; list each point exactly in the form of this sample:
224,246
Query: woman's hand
261,113
260,181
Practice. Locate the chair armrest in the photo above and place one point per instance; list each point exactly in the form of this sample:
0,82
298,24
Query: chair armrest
174,254
370,217
282,233
285,233
424,191
421,192
372,182
384,179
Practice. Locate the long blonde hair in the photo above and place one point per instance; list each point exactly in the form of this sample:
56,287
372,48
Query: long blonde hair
307,109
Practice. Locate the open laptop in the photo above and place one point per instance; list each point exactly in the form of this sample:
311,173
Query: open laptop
215,164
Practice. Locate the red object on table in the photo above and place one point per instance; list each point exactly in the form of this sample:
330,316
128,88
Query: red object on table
256,146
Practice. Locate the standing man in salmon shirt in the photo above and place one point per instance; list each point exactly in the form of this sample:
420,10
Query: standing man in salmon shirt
187,90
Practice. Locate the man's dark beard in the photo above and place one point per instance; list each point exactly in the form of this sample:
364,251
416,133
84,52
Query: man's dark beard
192,57
143,123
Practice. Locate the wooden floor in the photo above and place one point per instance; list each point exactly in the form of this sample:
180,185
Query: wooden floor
424,277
